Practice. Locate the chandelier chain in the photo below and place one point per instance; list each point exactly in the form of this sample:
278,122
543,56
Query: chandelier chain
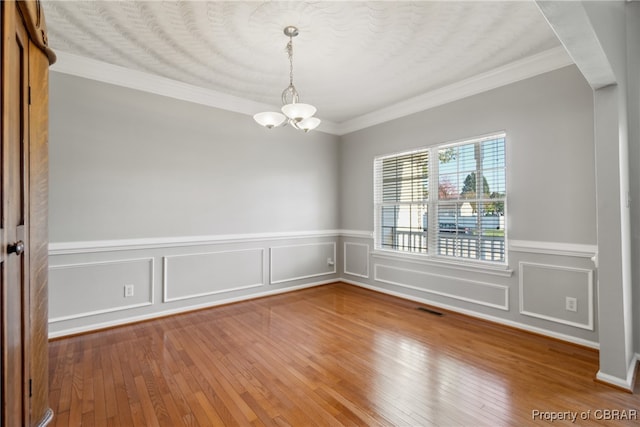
290,53
298,115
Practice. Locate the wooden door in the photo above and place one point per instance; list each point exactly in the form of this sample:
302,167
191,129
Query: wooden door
38,235
14,264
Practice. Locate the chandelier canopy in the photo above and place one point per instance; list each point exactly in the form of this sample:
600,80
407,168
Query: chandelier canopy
297,114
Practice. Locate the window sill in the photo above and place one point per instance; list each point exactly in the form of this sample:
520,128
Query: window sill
495,269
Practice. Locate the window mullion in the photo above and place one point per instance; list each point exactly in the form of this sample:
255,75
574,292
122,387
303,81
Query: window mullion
434,179
479,187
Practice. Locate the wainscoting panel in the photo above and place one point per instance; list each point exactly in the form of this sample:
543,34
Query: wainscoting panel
483,293
196,275
86,289
511,294
87,279
289,263
356,259
545,288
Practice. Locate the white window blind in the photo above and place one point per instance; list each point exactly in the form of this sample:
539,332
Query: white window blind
459,212
401,198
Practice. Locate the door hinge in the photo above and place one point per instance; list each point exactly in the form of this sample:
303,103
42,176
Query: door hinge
30,387
29,95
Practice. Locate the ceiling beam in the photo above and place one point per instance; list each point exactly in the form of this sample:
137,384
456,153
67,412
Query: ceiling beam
571,24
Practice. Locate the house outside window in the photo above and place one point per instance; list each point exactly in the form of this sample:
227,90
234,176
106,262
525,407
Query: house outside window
444,201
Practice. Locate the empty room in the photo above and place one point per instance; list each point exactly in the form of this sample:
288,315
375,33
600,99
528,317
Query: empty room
380,213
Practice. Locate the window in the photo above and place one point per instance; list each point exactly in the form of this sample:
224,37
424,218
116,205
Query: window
402,198
447,200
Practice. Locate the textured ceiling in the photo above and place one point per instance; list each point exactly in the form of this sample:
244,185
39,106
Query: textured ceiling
350,59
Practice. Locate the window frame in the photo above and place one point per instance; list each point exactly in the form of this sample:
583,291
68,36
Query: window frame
433,204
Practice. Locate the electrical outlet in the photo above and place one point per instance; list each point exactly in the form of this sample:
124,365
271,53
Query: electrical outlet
571,304
128,290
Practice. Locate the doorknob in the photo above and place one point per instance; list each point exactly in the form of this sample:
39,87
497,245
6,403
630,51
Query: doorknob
16,248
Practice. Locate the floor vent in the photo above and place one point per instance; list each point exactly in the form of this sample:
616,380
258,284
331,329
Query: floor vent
427,310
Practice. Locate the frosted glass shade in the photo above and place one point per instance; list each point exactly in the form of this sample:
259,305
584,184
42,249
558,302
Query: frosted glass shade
308,124
298,111
269,119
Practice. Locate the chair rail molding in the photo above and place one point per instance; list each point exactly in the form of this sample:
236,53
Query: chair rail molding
579,250
112,245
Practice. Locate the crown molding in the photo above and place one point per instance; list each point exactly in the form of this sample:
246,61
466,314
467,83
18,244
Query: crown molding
88,68
92,69
80,66
531,66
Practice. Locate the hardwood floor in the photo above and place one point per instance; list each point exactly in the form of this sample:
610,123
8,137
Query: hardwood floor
330,355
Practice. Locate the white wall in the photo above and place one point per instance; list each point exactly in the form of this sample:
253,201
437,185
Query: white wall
551,205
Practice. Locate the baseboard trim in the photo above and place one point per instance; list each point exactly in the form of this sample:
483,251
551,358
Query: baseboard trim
164,313
626,384
493,319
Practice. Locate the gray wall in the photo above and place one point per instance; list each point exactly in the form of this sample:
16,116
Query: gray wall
196,206
192,205
633,47
128,164
550,155
551,205
602,37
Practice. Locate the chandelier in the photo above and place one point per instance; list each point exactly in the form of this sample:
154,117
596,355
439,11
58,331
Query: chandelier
297,114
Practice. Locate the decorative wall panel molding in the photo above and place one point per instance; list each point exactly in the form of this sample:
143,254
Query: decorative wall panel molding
293,265
445,262
91,288
356,259
296,262
544,290
476,314
87,283
196,275
164,311
483,293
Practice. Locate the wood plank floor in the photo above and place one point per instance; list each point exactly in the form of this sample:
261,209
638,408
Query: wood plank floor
328,356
